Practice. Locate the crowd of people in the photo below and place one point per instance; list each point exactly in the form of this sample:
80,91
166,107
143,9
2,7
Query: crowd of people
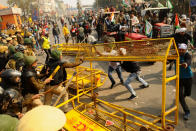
21,82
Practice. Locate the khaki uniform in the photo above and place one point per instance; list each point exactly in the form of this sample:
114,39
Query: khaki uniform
11,64
29,52
57,91
20,39
31,103
15,43
31,86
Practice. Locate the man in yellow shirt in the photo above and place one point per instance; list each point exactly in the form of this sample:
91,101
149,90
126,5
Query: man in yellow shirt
46,46
66,33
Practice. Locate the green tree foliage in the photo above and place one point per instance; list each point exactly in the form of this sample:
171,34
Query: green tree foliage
23,4
109,3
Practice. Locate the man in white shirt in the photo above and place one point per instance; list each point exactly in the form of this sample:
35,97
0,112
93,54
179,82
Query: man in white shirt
113,65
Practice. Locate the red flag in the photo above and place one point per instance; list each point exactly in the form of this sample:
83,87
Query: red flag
177,21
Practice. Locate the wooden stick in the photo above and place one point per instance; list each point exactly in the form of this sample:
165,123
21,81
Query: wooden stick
62,93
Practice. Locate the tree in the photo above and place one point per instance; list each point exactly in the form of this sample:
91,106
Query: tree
109,3
23,4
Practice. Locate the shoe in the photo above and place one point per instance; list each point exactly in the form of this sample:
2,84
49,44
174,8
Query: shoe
112,85
186,116
143,86
131,97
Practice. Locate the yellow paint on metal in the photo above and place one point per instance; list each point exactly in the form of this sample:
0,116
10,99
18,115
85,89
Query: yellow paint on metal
162,53
78,122
54,72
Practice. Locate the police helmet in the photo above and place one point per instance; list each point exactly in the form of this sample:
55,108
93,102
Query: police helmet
10,73
20,48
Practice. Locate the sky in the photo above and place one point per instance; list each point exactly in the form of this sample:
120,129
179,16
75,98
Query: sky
83,2
3,2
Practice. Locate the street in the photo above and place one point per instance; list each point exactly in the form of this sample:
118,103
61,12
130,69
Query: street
148,100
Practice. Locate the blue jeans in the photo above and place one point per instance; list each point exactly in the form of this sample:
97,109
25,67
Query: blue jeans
130,78
118,71
56,37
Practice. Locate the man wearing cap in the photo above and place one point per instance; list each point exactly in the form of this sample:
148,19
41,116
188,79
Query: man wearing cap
9,41
186,75
181,37
19,37
59,77
31,84
16,62
15,42
28,42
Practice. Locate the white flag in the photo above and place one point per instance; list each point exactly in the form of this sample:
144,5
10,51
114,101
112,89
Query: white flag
169,4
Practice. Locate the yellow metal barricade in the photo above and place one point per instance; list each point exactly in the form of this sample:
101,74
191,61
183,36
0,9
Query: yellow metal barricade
123,118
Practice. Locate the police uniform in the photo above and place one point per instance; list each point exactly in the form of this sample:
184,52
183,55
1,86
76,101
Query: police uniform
15,42
3,57
59,77
30,83
19,37
28,42
16,62
11,99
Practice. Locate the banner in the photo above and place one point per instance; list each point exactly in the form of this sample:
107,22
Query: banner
148,29
193,3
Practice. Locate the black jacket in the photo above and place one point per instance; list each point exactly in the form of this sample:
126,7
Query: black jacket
181,39
55,31
60,76
130,66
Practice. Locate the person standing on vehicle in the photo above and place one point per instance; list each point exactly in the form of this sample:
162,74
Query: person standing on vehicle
186,78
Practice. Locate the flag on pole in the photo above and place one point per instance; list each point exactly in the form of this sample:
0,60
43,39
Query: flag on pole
112,17
177,25
148,29
169,4
125,3
160,5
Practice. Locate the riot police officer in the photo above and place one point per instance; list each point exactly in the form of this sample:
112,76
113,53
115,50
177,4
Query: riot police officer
31,84
11,97
59,77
